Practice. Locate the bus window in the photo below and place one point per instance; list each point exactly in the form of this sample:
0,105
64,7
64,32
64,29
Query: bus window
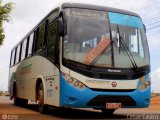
30,45
40,37
17,54
12,57
24,46
52,36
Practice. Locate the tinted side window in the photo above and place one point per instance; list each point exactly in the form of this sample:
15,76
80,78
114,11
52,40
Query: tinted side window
53,43
40,37
18,53
52,36
30,45
12,57
24,46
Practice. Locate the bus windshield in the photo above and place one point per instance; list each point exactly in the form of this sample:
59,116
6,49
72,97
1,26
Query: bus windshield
88,39
128,33
85,30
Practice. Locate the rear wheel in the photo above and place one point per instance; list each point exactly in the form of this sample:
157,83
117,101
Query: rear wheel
16,101
108,111
19,101
42,106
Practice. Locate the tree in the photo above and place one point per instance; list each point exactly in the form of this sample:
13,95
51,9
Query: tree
5,10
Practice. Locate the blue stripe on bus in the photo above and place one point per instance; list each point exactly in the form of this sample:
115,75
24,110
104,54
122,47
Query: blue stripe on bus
76,98
123,19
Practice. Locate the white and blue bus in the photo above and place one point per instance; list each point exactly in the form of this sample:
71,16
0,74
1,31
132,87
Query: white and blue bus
83,56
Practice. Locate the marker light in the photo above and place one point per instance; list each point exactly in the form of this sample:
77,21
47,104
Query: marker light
74,82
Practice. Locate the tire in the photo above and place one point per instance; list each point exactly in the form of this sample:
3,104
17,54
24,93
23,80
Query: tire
19,101
16,101
23,102
108,111
42,106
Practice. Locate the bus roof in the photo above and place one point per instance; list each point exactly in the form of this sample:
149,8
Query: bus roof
96,7
78,5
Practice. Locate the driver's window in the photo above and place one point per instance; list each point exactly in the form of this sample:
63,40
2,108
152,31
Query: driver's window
52,36
53,42
133,40
135,43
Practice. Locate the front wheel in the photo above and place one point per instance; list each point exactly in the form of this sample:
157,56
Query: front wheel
42,106
108,111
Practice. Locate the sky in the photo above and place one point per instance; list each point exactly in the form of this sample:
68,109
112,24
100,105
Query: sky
27,13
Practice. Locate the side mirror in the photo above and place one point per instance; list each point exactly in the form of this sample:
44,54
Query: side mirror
61,28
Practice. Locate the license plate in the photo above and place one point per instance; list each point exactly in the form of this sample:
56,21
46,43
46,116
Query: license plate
113,105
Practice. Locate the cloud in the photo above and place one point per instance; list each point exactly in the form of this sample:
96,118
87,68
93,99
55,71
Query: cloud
154,42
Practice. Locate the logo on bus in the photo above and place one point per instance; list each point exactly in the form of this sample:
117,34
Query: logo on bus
114,84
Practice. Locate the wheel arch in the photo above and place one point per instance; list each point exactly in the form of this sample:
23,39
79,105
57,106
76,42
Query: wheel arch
13,89
39,80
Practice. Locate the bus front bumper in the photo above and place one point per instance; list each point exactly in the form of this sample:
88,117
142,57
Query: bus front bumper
87,98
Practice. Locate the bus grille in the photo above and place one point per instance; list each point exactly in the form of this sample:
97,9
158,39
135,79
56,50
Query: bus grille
112,90
101,100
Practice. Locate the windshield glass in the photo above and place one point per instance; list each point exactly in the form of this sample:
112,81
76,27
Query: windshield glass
88,37
130,30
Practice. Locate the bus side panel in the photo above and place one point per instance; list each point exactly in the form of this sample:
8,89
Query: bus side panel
29,71
51,83
26,78
12,80
19,82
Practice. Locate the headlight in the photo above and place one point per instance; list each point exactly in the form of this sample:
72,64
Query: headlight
74,82
148,83
144,85
70,80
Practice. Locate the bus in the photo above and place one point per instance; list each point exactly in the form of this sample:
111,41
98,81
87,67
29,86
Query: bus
83,56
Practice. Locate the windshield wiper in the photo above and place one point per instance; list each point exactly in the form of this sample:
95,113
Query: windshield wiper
123,45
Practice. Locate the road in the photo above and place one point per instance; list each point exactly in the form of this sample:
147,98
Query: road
30,112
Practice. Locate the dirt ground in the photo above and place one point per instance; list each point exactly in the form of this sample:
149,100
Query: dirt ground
30,112
155,103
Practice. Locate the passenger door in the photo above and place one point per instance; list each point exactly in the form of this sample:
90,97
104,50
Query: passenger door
53,56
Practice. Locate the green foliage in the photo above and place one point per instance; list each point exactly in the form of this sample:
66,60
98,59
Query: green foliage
5,10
